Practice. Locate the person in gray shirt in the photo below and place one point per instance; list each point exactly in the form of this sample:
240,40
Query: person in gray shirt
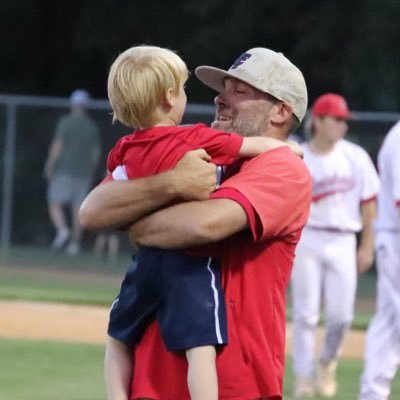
71,162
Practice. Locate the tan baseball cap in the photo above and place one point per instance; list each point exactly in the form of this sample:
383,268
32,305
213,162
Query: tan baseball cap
266,70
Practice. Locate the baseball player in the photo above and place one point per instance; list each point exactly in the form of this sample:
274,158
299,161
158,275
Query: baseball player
345,185
382,352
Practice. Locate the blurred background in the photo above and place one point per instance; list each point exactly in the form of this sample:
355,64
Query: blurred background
50,48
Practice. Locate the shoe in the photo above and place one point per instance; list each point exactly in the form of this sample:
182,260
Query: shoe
326,378
60,239
304,388
72,249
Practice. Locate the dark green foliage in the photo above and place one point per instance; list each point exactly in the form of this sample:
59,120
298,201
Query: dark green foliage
348,47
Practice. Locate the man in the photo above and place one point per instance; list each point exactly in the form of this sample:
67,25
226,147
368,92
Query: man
345,185
72,159
265,205
382,352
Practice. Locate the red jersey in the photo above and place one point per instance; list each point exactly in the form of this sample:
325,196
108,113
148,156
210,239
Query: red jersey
275,191
158,149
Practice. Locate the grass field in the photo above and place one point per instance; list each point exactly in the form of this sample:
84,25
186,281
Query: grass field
50,370
54,370
41,275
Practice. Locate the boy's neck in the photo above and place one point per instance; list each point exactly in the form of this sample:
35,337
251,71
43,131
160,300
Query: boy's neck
166,120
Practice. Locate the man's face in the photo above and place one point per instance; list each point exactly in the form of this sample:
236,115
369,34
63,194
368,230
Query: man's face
331,128
242,109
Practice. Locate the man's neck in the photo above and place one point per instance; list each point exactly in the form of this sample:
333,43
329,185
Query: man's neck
274,133
320,145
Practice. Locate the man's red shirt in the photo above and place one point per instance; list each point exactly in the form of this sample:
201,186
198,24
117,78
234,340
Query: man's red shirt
274,190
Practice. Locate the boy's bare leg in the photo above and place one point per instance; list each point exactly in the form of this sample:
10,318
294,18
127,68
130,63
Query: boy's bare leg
202,373
117,370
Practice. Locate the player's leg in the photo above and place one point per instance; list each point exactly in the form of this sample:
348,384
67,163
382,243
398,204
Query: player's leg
74,246
202,373
113,247
100,243
79,189
306,295
58,194
382,350
339,290
118,367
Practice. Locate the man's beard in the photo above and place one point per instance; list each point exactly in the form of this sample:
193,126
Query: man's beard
249,122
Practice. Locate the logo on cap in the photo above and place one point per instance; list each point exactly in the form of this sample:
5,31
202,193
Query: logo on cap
241,60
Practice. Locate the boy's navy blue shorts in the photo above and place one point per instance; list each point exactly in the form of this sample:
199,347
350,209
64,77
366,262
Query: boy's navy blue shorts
182,292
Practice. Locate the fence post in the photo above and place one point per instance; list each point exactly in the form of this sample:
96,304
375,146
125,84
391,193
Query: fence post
8,175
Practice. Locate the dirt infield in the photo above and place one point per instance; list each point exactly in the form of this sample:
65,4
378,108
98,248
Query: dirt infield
87,324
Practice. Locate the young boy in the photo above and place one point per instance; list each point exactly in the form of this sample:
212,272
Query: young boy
146,92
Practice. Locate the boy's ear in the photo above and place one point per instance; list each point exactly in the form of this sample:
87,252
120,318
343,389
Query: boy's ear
169,97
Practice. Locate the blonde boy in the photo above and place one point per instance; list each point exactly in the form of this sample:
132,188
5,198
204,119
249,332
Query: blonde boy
146,92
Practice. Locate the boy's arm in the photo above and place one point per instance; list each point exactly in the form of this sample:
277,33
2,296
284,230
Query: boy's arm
254,146
54,154
116,204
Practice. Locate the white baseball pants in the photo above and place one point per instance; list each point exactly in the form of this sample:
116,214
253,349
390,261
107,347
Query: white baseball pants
382,351
324,267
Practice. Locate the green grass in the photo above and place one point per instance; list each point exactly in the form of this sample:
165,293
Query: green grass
55,286
50,370
35,370
42,275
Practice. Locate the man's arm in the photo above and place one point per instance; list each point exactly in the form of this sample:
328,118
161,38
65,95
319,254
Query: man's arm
54,154
119,203
365,252
193,223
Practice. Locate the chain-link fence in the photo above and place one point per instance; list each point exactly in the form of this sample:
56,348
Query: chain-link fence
26,129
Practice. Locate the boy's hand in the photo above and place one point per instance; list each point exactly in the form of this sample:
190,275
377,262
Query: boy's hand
195,176
296,148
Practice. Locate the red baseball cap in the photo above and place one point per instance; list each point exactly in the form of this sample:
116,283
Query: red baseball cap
330,104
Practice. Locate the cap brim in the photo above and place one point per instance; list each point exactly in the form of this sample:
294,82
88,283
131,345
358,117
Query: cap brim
214,77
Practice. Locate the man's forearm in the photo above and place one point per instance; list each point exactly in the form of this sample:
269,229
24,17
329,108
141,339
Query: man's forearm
368,213
190,224
365,253
120,203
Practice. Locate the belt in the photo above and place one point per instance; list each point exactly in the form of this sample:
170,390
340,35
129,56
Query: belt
390,230
328,229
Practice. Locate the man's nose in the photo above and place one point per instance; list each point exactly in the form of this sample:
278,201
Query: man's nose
219,100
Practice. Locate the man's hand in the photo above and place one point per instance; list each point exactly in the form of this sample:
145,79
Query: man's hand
365,259
296,148
195,176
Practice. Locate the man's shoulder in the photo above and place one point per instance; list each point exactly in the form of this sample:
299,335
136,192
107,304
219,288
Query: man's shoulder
280,159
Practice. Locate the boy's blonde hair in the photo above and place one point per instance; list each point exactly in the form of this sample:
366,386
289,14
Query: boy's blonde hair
138,82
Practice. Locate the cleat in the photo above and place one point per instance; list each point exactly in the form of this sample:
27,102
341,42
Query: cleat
304,388
326,378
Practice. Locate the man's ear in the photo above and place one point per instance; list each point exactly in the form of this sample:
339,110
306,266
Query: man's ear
282,113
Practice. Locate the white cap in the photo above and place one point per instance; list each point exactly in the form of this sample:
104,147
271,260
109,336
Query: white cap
79,97
265,70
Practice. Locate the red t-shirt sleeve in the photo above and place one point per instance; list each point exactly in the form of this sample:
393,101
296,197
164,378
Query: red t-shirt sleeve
278,187
115,157
223,147
233,194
